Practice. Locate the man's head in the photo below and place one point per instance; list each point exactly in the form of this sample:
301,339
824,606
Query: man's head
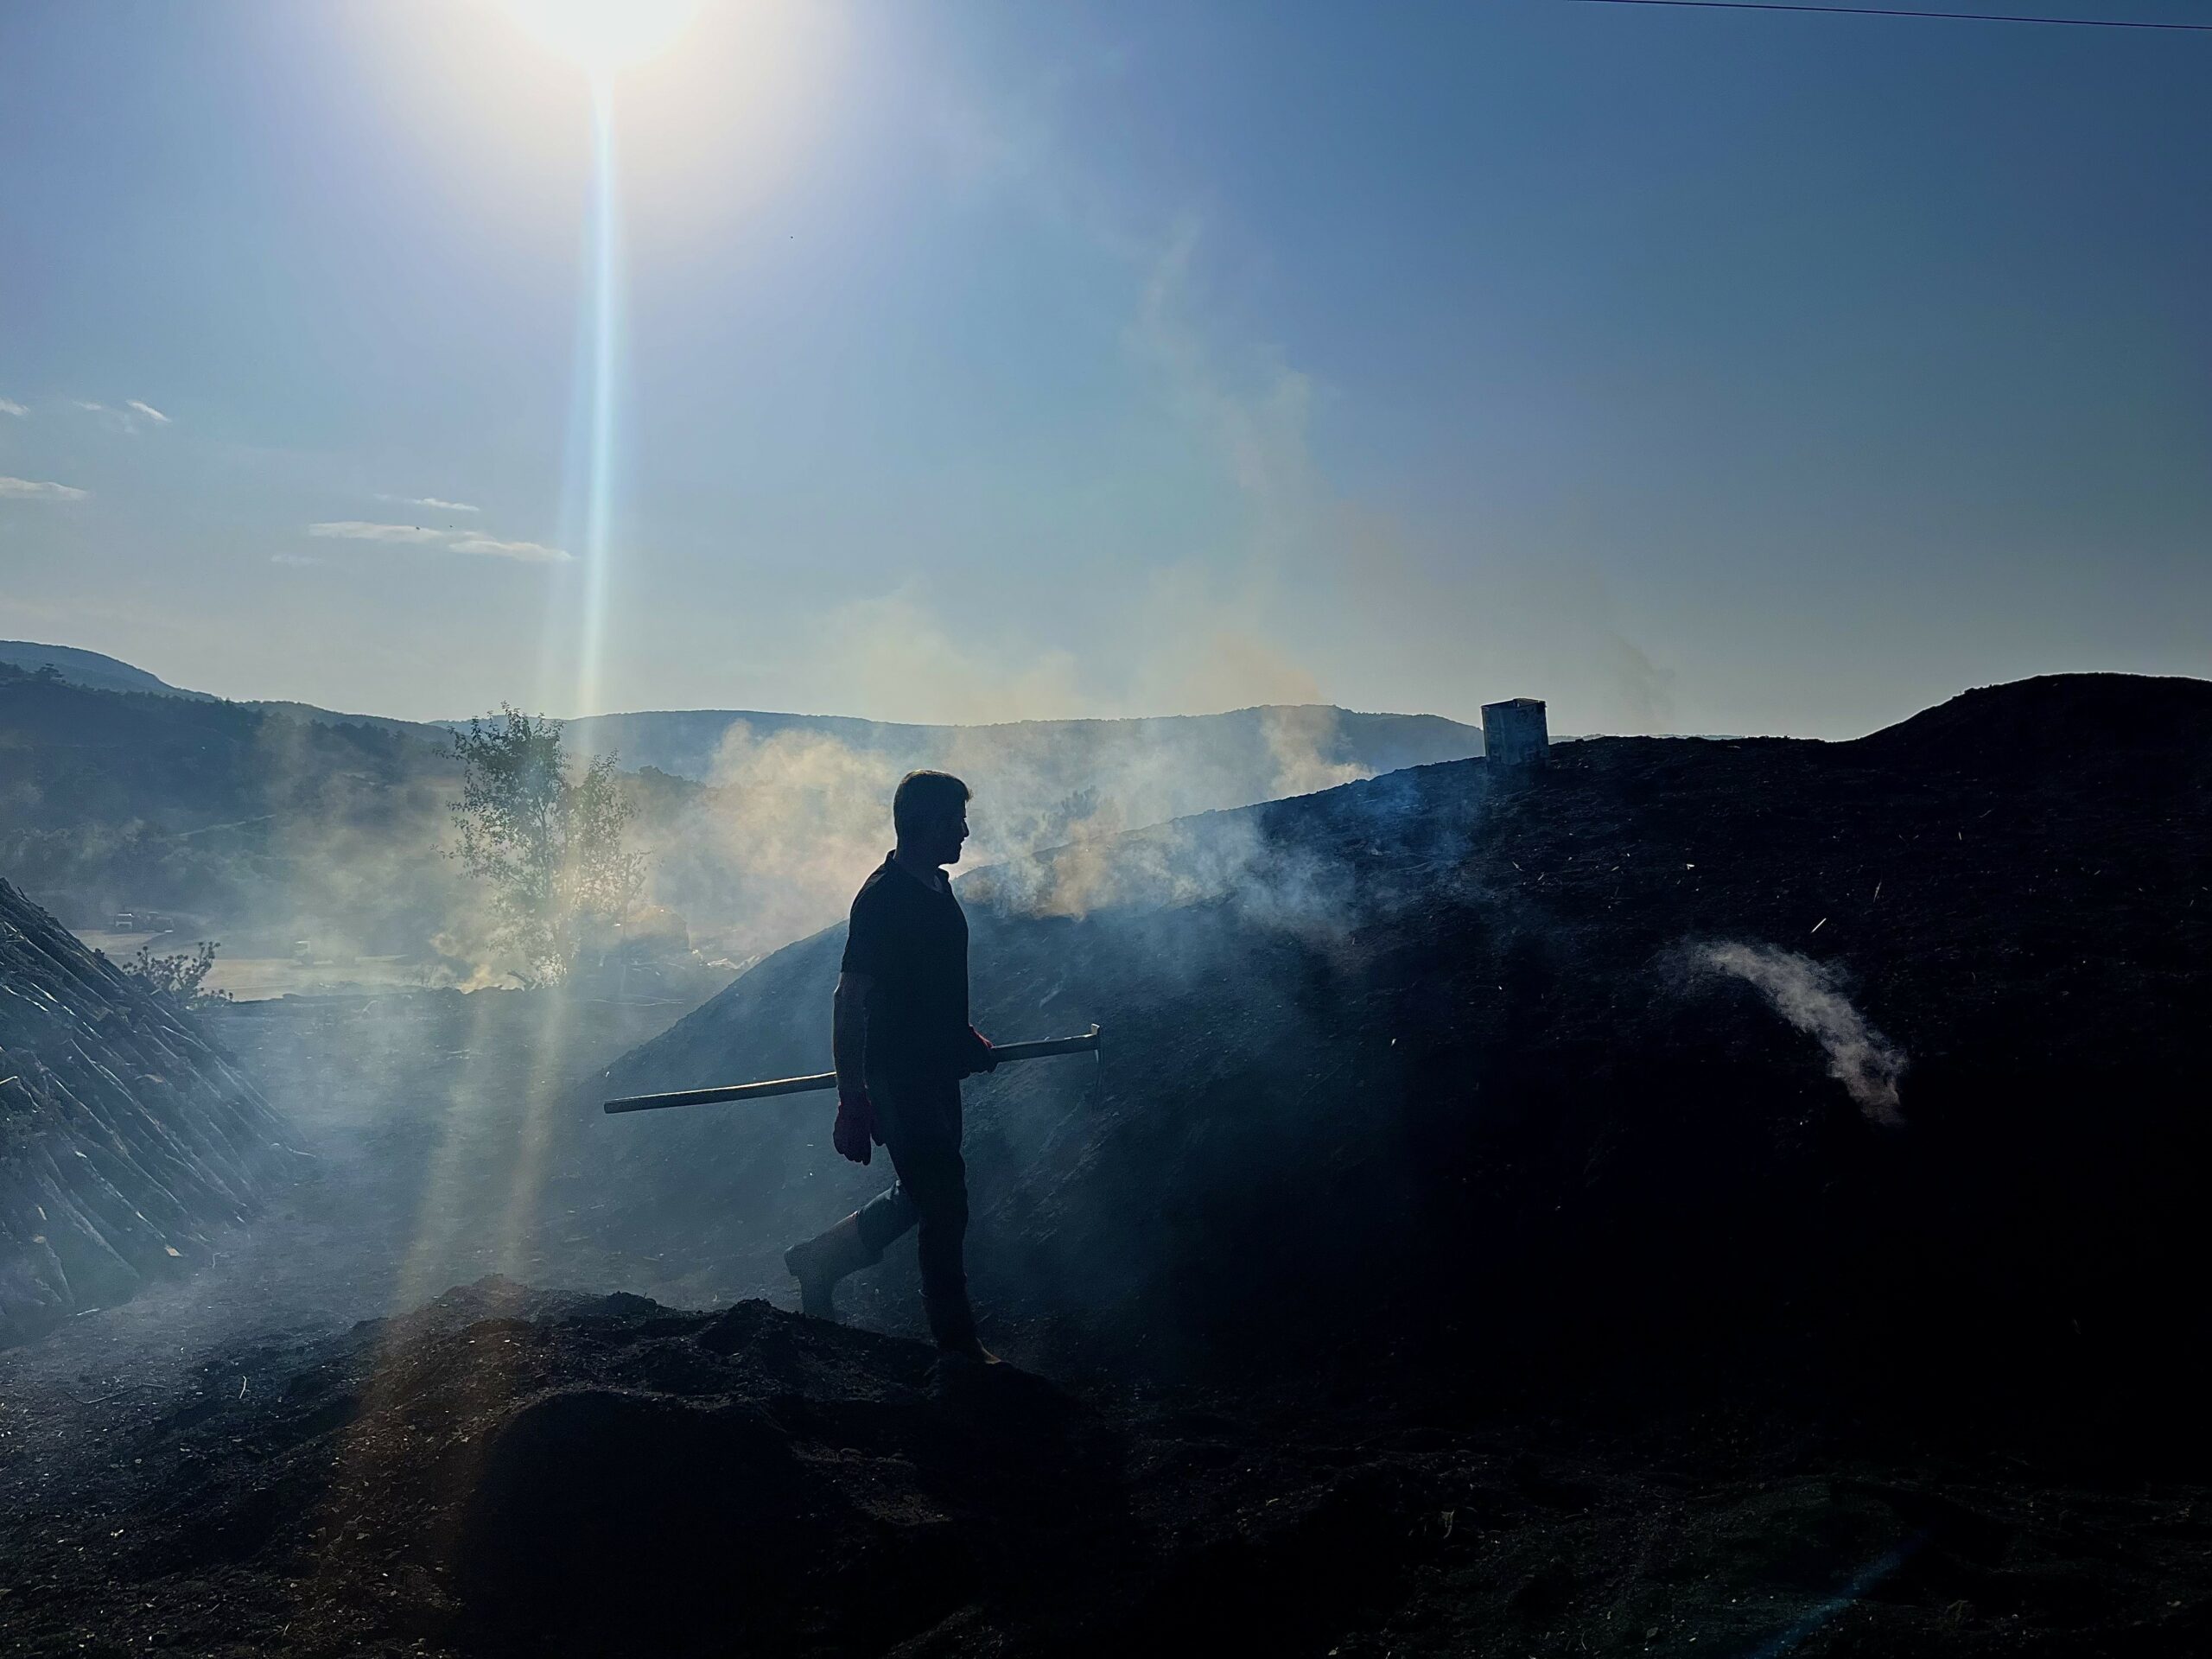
930,813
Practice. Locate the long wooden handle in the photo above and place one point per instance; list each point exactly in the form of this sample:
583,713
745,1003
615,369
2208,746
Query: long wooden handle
774,1086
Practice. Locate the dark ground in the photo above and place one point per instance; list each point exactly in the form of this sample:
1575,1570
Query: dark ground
507,1474
1438,1265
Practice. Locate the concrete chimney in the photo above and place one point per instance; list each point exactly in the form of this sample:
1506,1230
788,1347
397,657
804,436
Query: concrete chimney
1514,733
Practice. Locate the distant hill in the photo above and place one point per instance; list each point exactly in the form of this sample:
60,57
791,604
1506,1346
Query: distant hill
90,667
242,815
95,672
695,743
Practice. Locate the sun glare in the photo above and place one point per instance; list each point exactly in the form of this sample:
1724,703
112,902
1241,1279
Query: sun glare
606,36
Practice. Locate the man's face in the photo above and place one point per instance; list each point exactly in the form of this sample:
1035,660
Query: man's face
942,844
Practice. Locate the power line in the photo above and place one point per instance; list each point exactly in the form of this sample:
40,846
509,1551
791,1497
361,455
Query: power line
1897,11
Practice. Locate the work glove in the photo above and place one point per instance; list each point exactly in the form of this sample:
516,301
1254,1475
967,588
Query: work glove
981,1057
855,1133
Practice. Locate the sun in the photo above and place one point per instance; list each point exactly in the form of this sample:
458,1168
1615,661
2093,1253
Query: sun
604,37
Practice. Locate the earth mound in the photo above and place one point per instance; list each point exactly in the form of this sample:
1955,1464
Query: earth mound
510,1472
1851,1059
2079,721
127,1136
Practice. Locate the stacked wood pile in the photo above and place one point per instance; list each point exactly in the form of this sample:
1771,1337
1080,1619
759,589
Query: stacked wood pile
128,1138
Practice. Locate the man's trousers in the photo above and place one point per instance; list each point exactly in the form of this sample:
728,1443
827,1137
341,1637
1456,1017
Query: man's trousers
918,1117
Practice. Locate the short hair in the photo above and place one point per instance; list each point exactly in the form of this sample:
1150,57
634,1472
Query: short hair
922,796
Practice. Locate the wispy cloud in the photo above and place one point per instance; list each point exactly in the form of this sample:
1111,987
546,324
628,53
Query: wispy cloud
294,558
356,530
528,552
431,501
126,419
9,406
25,489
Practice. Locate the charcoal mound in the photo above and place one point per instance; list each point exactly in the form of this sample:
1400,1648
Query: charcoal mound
669,1511
1443,1062
128,1136
511,1471
2061,722
518,1473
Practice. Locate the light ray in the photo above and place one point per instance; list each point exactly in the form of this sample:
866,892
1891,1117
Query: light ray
598,459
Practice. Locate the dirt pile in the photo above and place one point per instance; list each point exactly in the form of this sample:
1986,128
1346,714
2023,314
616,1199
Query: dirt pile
127,1137
1450,1060
2065,725
507,1472
512,1472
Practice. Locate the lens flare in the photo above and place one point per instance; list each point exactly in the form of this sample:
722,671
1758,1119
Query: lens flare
604,37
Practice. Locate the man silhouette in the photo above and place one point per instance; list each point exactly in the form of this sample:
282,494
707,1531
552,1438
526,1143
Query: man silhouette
902,1043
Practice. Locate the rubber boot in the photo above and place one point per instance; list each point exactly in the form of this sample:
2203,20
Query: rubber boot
954,1327
820,1263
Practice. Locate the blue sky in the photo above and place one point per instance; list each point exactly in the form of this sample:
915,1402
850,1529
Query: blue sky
1695,372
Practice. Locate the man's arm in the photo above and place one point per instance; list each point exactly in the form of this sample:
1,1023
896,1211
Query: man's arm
854,1133
848,1034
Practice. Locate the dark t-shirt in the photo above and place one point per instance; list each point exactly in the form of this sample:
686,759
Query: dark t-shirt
911,941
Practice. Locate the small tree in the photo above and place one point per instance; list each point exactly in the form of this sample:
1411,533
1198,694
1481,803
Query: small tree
179,977
548,844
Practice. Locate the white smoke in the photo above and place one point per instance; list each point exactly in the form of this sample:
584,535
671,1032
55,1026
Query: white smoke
1222,857
792,820
1807,994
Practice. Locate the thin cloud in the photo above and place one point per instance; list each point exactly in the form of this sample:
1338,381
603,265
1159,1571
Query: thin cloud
431,501
294,558
527,552
125,420
25,489
356,530
9,406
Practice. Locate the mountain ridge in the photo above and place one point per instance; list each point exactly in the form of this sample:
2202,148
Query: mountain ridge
683,742
286,824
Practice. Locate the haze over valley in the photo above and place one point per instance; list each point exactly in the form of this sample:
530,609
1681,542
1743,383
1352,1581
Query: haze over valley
281,830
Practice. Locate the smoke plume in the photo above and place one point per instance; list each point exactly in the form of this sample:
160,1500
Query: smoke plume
792,820
1807,994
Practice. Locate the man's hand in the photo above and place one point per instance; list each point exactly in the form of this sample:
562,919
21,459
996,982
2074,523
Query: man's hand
855,1135
981,1057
